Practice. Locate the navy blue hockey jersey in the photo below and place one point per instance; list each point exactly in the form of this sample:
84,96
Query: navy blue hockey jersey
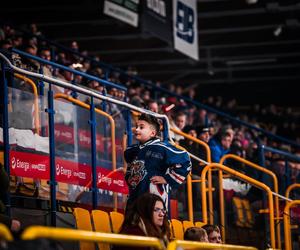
155,158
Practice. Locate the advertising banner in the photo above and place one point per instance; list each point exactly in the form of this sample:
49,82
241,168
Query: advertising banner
124,10
157,19
37,166
185,27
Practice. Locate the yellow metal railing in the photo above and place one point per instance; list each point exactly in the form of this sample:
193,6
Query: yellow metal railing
112,127
290,188
36,100
247,179
5,234
124,146
194,139
37,122
109,117
260,168
190,181
201,245
35,232
287,223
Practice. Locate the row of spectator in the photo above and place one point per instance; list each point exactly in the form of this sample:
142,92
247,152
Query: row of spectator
217,131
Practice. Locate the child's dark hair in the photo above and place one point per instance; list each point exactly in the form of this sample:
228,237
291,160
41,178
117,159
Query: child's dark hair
151,120
194,234
211,228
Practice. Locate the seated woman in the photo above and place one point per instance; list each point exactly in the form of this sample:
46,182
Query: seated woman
196,234
146,217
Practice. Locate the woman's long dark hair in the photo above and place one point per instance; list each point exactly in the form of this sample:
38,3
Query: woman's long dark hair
143,208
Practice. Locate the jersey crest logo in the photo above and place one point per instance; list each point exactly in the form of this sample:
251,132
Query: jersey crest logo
137,173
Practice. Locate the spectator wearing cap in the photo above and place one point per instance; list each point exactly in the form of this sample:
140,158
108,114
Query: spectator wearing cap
203,133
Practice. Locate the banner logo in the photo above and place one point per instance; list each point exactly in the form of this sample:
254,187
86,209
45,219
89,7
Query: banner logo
57,169
185,22
13,162
185,27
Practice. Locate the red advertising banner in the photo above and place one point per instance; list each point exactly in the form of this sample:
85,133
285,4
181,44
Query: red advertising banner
112,180
37,166
65,134
29,165
72,172
85,140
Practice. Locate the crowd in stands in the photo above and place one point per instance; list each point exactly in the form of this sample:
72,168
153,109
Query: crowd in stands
221,136
279,120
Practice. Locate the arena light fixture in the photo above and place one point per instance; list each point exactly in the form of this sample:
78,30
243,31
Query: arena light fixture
278,30
250,61
251,1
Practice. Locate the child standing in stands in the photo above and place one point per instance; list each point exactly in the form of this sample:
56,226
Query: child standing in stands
153,166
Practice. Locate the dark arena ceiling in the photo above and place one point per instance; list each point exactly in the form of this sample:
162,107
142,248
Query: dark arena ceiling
248,49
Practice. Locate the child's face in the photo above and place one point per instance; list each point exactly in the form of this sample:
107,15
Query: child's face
204,238
144,131
215,237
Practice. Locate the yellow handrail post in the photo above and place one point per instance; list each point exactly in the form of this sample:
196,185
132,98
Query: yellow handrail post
34,232
210,198
208,159
251,181
190,199
36,101
286,223
112,127
275,182
222,206
124,145
290,188
181,244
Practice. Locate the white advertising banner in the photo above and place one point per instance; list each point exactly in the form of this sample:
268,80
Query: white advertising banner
126,11
185,27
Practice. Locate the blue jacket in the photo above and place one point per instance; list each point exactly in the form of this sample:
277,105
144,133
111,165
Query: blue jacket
155,158
217,150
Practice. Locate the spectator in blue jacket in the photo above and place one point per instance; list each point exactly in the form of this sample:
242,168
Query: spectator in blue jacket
220,145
